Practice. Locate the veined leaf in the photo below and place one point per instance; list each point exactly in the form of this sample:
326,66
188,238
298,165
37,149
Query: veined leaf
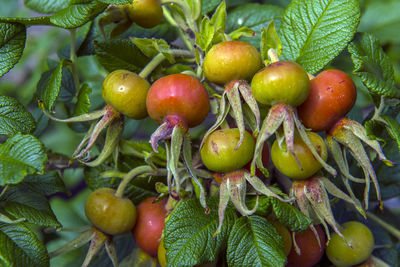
20,156
19,246
12,44
46,6
188,233
254,241
116,2
45,184
83,103
314,32
14,117
373,66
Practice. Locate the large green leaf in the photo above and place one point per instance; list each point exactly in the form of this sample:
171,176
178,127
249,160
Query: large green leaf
14,117
20,202
373,66
254,241
45,184
188,233
12,44
255,17
313,32
20,156
77,13
46,6
20,247
120,54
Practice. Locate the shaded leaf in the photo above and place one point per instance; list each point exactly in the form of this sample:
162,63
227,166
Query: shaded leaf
46,6
12,44
14,117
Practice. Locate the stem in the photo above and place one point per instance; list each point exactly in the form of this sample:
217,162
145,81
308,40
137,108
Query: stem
73,58
152,65
4,190
394,231
273,56
129,176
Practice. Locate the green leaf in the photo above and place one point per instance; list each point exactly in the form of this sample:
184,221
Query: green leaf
83,103
20,247
255,17
381,18
254,241
314,32
218,20
242,32
51,86
205,35
12,44
270,40
20,202
188,233
46,6
373,66
120,54
77,13
208,6
43,20
45,184
152,47
20,156
14,117
289,216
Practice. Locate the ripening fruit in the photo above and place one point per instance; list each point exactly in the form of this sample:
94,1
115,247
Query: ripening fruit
359,237
109,213
126,92
145,13
282,82
231,60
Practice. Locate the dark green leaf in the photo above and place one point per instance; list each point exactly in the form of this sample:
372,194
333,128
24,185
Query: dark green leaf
12,44
20,247
289,216
188,233
120,54
20,156
77,14
254,241
46,184
314,32
83,103
253,16
49,85
14,117
209,5
389,178
46,6
373,66
44,20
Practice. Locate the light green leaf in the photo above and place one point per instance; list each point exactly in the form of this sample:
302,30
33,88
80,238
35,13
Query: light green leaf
242,32
20,156
373,66
116,2
152,47
46,6
12,44
188,231
19,247
120,54
205,35
270,40
254,241
255,17
50,91
218,20
77,14
14,117
83,103
314,32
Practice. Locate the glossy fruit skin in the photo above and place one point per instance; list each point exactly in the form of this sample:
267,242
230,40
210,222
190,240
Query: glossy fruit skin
180,95
282,82
310,250
126,92
286,163
359,236
149,225
110,214
332,95
231,60
161,254
285,234
145,13
218,151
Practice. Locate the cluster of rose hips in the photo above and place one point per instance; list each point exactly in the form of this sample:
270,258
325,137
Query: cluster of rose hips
297,107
